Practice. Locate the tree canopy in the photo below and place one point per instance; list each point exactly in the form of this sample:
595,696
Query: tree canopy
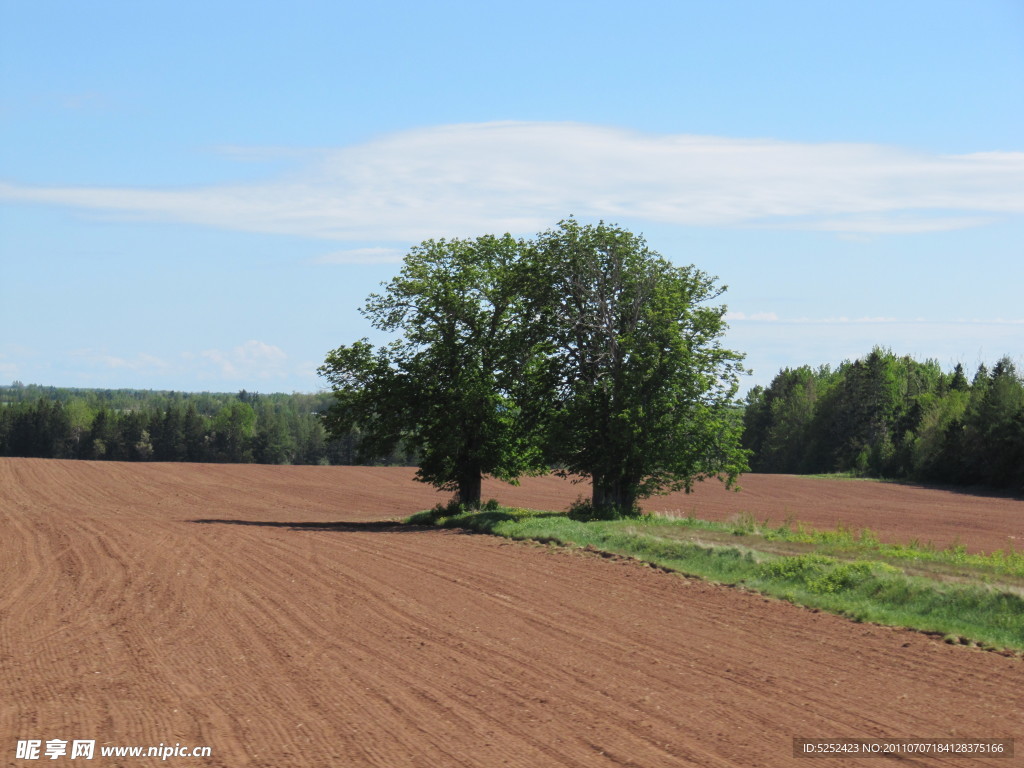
643,388
581,350
448,386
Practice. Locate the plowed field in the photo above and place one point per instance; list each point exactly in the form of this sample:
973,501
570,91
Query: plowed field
274,615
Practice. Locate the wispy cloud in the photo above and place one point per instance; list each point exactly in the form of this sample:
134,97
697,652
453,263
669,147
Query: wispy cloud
756,316
246,365
362,256
520,177
139,362
772,317
251,360
8,370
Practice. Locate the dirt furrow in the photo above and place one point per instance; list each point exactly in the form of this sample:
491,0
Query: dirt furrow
293,627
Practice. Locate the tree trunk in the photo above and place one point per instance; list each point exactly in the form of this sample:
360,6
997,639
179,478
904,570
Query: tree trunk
613,494
470,488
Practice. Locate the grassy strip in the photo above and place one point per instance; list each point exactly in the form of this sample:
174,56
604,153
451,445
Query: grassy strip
846,543
864,590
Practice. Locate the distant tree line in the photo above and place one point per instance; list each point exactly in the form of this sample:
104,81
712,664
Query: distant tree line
143,425
894,417
879,416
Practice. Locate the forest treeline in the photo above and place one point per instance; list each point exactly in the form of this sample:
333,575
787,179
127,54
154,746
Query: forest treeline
892,417
879,416
144,425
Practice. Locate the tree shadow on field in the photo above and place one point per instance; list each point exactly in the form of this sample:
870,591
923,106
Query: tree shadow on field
375,526
984,491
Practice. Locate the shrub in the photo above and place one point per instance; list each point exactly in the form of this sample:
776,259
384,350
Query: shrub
582,510
840,578
798,568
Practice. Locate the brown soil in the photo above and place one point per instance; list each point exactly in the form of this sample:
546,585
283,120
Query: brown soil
269,613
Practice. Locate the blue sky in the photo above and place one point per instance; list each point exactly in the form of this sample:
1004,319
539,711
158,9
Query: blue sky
200,196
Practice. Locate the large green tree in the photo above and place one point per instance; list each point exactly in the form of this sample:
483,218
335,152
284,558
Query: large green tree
450,386
642,388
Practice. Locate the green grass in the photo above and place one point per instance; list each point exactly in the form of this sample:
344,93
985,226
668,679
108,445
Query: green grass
846,543
969,598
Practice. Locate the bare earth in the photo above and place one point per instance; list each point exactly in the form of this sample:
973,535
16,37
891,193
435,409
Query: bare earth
269,613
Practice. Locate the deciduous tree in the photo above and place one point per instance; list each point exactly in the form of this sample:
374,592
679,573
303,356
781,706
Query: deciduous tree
643,388
447,387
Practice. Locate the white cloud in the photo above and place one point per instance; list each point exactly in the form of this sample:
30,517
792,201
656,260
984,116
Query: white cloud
8,371
756,317
253,359
896,224
899,321
142,362
772,317
461,180
362,256
241,366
